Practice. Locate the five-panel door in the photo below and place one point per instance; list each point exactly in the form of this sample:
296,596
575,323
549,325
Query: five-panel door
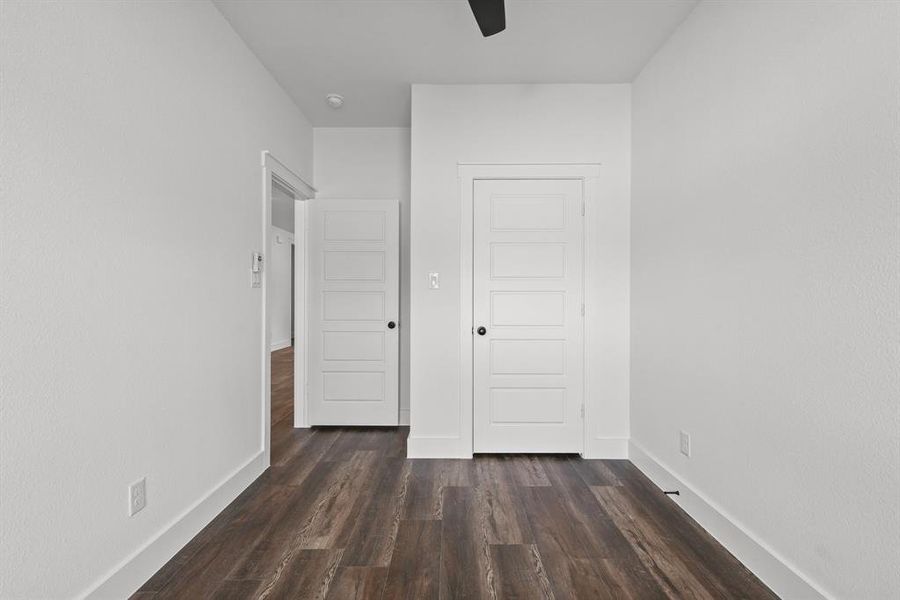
528,371
353,312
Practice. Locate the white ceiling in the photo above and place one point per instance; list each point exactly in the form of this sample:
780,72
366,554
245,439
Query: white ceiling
371,50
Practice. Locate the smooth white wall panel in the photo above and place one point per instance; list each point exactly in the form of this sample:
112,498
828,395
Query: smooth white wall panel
766,256
131,338
515,124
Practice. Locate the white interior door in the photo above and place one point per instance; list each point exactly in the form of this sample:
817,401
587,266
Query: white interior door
528,315
354,300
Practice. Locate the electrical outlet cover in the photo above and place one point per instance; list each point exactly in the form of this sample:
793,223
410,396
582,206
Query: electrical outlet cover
137,496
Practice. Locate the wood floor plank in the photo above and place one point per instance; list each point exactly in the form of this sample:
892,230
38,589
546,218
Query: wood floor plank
288,442
654,549
428,479
308,575
358,583
574,578
566,480
711,564
206,570
595,472
295,469
372,541
466,567
527,470
558,526
519,572
395,446
458,472
351,440
337,509
416,562
501,515
270,554
491,470
237,589
612,579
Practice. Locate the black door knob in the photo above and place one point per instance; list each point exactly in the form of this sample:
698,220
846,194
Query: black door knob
481,330
391,324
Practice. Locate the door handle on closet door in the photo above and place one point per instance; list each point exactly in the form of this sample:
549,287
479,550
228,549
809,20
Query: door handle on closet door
481,330
391,324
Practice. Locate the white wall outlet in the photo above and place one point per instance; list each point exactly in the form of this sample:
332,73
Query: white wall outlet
137,496
434,281
684,440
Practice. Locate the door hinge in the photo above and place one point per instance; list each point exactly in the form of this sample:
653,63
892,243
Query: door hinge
582,208
582,411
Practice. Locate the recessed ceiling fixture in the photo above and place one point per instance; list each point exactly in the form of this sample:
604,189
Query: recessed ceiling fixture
490,16
335,101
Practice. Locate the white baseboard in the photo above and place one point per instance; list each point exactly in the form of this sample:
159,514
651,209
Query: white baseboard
449,447
776,572
279,345
404,416
606,448
435,447
132,572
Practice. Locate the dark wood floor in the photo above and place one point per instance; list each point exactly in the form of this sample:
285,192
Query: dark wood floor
342,514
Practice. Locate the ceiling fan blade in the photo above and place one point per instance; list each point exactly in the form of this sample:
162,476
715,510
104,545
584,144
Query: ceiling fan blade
490,15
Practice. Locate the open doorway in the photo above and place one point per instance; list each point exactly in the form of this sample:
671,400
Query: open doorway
281,304
284,196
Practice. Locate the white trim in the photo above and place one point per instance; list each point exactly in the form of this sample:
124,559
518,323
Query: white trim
301,268
468,173
283,172
404,416
773,569
605,448
129,575
436,447
279,345
272,168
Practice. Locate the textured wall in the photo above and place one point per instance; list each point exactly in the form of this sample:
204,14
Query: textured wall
131,200
765,290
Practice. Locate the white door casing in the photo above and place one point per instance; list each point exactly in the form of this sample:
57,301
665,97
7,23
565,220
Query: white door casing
274,170
527,292
353,283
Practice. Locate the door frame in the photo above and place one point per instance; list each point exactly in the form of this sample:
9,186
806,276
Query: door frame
274,169
469,173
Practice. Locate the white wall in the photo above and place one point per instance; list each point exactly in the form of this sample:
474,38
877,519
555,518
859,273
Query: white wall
280,281
131,201
282,208
373,163
514,124
766,254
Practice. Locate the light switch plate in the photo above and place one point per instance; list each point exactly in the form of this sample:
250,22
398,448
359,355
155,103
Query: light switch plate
684,440
434,281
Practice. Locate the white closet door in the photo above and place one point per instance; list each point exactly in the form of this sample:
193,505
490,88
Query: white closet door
354,305
528,293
